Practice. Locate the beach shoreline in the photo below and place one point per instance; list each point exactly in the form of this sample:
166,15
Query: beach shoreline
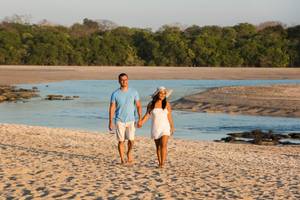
18,74
41,162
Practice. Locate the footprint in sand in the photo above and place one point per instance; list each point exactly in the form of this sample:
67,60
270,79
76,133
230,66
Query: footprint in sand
43,190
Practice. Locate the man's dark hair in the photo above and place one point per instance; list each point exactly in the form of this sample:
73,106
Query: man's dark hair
122,74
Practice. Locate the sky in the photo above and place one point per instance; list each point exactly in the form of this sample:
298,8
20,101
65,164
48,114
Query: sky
155,13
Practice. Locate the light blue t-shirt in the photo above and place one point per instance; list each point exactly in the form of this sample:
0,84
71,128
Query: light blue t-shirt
125,104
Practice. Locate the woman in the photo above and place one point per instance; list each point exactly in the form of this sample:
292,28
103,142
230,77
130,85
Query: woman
159,109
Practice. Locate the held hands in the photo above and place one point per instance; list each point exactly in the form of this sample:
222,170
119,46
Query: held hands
140,124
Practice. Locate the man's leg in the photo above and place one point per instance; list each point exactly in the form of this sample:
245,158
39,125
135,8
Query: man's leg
121,151
129,152
121,138
130,136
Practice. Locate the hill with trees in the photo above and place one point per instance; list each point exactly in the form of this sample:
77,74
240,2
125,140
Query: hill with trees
102,42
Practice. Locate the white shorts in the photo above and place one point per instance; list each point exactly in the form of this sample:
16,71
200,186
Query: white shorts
125,131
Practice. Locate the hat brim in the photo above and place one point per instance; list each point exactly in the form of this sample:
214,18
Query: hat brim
168,93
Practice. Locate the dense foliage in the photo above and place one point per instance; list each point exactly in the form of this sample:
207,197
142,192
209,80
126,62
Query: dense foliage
90,44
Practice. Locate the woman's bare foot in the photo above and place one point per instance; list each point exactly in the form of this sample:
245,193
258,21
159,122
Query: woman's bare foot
122,162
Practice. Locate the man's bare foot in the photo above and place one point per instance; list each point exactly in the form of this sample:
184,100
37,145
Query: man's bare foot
129,158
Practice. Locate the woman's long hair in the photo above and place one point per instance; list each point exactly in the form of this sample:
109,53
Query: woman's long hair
151,104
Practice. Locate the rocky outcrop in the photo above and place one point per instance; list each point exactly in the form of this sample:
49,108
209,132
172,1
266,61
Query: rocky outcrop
295,135
60,97
259,137
13,94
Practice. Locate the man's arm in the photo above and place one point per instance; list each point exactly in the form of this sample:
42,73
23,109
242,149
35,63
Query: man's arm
139,108
112,109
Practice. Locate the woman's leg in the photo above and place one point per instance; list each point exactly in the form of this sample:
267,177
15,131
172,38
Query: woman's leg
163,148
157,144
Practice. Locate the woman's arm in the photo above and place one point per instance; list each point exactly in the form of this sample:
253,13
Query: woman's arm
170,118
144,118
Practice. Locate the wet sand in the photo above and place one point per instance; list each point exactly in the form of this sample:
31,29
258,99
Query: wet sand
271,100
37,74
47,163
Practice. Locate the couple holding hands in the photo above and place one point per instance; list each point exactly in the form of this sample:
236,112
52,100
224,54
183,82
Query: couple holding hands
123,104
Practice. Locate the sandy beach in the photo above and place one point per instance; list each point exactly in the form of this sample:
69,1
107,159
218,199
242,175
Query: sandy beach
270,100
45,163
37,74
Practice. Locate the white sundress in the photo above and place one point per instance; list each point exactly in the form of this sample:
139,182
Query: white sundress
160,123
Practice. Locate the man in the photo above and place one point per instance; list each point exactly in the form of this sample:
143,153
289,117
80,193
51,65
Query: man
122,105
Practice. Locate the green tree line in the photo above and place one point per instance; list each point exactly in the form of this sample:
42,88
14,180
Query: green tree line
88,43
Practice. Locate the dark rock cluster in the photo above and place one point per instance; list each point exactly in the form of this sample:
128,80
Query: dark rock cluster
260,137
14,94
60,97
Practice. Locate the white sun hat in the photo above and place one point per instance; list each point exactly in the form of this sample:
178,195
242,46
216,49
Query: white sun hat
162,88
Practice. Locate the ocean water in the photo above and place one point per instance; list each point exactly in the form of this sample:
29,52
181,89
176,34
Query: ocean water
90,111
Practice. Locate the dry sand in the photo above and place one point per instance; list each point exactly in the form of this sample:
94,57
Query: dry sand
44,163
37,74
271,100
